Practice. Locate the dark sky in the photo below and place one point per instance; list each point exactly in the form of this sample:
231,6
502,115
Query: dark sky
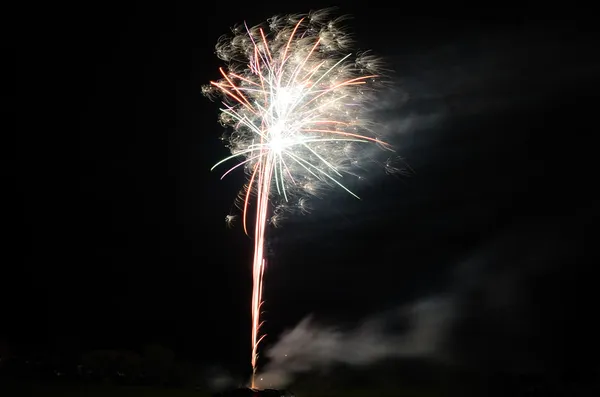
120,239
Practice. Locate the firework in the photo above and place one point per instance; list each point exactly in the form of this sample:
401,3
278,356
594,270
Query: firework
295,99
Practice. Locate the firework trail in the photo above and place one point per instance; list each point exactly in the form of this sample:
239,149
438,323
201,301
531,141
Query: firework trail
295,100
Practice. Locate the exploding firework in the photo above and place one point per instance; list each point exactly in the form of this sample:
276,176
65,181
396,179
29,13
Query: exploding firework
295,100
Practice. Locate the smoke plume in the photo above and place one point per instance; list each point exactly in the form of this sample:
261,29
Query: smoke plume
412,331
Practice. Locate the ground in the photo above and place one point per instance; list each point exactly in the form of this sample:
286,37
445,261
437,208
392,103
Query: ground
53,390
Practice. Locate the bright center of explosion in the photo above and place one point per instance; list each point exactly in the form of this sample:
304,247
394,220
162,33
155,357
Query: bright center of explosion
277,141
285,98
280,135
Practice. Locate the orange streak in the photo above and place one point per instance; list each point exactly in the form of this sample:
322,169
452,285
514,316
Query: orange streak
226,91
262,82
264,187
256,58
244,79
262,34
247,199
348,82
349,134
234,87
308,56
313,71
287,47
329,122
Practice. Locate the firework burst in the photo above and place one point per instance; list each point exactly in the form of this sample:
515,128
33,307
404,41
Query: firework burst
295,99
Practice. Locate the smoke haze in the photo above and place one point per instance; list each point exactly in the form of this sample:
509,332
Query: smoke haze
412,331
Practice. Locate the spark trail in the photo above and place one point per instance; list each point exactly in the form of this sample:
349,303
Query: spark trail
295,100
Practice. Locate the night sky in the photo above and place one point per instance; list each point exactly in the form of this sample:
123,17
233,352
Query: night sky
119,235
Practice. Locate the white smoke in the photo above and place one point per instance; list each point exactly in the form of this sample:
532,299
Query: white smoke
313,347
